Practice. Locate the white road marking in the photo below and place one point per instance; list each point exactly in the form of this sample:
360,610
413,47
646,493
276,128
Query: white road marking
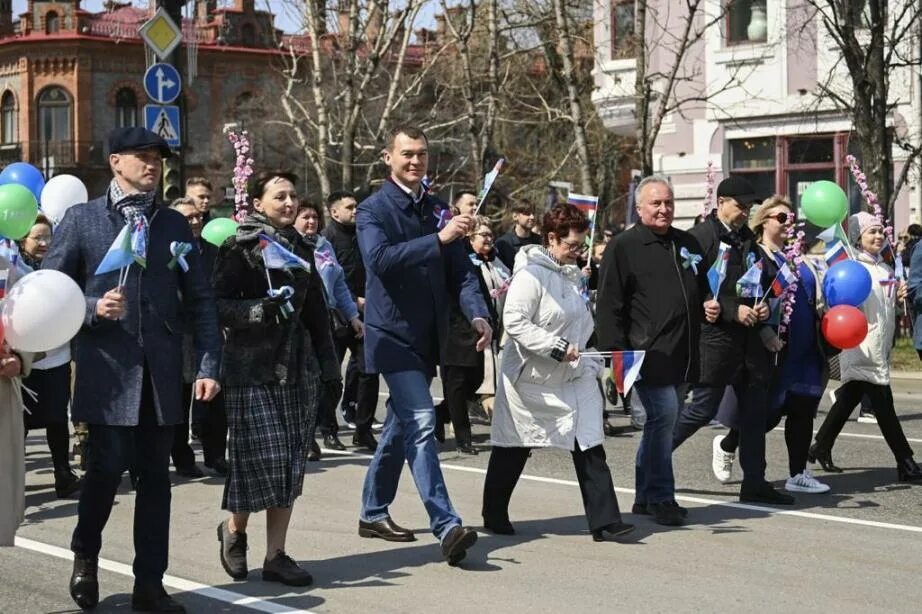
701,500
180,584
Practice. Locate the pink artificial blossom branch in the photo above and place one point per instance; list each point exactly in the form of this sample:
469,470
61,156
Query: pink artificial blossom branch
243,169
709,189
870,197
793,254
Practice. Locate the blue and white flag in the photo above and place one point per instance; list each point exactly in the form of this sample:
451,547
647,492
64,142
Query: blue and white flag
120,254
750,284
275,256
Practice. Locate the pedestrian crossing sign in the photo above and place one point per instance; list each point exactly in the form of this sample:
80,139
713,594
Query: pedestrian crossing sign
164,121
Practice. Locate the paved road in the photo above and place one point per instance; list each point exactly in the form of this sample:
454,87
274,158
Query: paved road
855,549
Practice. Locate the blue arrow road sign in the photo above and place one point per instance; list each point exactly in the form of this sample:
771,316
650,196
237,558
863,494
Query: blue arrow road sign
162,83
164,121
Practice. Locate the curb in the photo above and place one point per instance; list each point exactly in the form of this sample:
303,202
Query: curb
906,375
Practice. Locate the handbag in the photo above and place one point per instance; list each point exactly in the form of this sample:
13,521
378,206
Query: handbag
342,328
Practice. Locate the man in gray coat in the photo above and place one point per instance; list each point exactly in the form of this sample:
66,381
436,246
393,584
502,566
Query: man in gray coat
128,357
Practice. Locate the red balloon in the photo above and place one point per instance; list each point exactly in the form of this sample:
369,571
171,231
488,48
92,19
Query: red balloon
844,326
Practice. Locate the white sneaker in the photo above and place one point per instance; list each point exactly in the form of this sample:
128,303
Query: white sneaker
721,462
805,482
867,417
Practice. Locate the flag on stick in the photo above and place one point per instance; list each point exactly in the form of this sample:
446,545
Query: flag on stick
120,254
625,369
275,256
718,271
783,279
585,203
488,180
835,254
750,284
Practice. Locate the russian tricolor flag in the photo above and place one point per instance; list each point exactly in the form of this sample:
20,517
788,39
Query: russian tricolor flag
625,369
4,275
783,279
585,203
835,254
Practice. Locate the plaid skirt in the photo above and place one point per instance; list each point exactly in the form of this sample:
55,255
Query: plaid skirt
270,428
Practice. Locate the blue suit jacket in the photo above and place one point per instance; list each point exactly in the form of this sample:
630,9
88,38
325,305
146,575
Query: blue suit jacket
411,280
915,294
110,355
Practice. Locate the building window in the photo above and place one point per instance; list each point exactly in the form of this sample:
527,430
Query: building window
126,108
746,21
52,23
54,109
8,118
248,35
788,165
623,41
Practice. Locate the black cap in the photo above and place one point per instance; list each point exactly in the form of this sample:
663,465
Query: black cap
737,188
136,139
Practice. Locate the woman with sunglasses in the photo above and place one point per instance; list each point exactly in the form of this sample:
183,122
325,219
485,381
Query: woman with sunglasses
866,368
548,394
803,373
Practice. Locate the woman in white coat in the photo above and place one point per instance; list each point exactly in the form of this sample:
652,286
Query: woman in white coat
866,368
548,395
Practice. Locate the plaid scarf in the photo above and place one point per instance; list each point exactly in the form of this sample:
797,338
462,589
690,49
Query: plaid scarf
135,207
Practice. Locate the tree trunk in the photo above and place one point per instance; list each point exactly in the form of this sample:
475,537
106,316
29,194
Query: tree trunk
641,92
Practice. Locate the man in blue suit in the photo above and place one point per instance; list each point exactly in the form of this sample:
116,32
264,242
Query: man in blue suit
415,266
128,358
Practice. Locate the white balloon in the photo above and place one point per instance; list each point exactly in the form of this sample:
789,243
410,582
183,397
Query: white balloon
42,311
60,194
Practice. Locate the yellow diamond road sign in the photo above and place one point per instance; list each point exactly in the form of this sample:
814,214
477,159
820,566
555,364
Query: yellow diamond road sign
161,34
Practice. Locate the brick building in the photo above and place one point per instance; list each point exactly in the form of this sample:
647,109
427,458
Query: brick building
68,77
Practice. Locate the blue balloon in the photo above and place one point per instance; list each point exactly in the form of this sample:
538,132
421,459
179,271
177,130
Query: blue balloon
847,283
25,175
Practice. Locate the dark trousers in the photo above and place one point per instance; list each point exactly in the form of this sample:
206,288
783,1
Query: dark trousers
459,386
58,436
212,430
360,390
847,398
592,472
798,412
111,450
752,421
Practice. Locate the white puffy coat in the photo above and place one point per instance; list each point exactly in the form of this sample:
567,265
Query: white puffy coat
542,402
870,361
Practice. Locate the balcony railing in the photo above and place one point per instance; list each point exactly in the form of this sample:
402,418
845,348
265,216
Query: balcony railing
52,157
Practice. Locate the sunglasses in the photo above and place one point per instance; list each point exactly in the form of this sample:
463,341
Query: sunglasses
782,217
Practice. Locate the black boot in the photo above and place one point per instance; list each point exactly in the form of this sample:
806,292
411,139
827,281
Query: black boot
823,457
908,471
66,483
84,586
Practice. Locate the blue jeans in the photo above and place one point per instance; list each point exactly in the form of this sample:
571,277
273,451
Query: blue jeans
699,412
655,482
409,433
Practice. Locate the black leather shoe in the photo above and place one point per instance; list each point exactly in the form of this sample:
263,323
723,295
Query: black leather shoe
456,543
908,471
233,552
665,514
192,471
764,493
824,458
498,527
466,447
315,453
385,529
282,568
365,439
84,586
682,511
332,442
153,598
609,429
616,529
640,509
219,466
66,484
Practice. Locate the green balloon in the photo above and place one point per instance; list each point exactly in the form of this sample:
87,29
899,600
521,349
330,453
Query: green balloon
218,230
18,210
824,203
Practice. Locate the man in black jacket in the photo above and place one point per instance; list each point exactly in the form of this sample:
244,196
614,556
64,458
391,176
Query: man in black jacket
651,298
360,395
732,352
508,245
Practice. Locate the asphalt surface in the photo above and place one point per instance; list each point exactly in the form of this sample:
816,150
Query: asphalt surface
856,549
